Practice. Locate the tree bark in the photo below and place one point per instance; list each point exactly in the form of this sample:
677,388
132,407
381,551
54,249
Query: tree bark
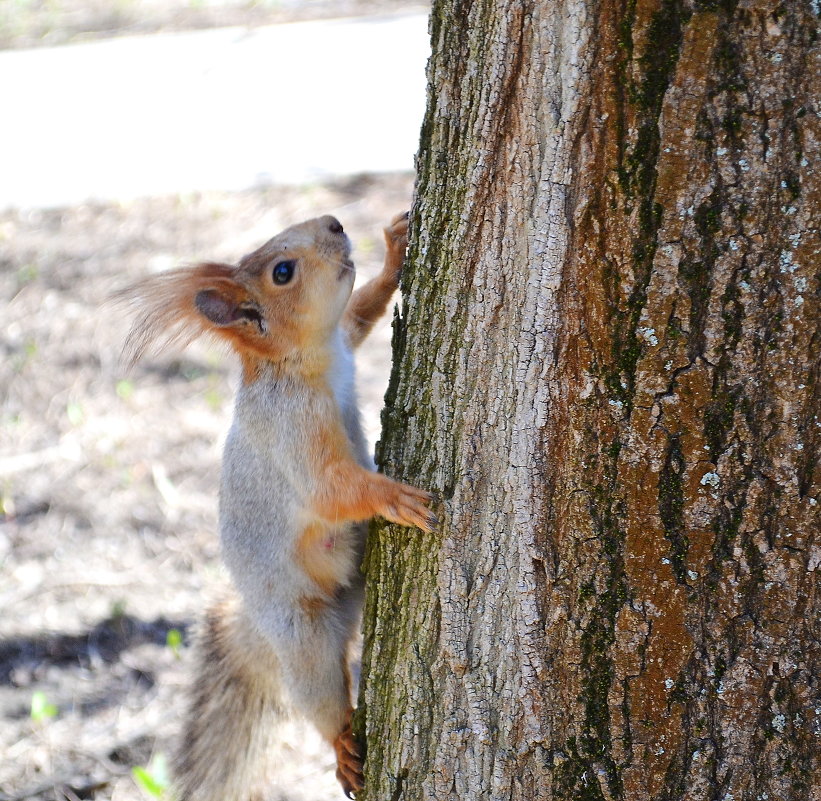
607,367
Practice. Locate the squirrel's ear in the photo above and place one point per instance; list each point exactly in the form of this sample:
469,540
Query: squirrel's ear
220,308
216,307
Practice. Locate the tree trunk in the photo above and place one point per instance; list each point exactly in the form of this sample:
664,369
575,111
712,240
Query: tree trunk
607,366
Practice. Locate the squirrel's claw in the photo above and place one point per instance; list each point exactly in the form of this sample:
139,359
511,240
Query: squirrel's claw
349,763
409,507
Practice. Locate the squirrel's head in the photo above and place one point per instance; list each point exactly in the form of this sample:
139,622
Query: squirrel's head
284,298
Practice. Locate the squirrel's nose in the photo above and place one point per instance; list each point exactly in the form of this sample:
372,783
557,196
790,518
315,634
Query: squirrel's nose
334,226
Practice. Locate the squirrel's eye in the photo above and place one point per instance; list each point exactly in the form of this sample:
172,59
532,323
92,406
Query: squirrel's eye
283,271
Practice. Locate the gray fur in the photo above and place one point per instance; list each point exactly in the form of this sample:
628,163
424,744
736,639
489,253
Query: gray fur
259,652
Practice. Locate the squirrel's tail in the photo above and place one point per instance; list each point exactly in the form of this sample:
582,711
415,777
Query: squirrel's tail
235,701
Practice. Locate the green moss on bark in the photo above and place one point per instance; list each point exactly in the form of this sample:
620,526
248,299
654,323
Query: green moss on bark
671,506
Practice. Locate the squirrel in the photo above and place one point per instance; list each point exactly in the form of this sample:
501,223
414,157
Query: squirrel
297,483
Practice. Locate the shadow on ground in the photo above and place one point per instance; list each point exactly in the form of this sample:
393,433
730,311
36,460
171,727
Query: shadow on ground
106,641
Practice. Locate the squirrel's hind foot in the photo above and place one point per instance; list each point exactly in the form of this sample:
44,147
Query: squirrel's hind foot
349,762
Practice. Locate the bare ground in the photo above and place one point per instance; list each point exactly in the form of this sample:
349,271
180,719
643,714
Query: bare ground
108,481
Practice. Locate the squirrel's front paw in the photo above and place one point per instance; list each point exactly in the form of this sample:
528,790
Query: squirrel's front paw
408,506
348,762
396,241
396,234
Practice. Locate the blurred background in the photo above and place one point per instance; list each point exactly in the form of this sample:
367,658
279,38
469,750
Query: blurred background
137,135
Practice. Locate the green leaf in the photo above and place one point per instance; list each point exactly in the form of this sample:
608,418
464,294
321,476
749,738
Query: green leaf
118,608
41,709
74,412
154,779
174,640
214,399
146,781
125,389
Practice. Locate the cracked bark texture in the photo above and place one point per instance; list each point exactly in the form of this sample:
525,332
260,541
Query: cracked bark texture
607,366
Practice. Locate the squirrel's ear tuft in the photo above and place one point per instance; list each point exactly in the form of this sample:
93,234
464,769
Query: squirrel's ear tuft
167,308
